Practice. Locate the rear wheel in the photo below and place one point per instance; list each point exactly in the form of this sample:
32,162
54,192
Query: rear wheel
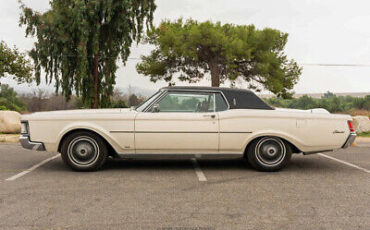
269,154
84,151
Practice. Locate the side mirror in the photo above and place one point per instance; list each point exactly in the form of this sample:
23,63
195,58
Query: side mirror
155,108
133,107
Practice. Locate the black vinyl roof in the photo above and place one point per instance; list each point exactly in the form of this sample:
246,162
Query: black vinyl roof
237,98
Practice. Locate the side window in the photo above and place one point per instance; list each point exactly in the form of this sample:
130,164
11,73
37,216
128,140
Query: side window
221,104
185,102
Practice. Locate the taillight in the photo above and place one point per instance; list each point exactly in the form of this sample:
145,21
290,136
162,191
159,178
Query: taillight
350,126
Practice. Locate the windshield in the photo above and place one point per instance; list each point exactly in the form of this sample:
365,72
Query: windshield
143,105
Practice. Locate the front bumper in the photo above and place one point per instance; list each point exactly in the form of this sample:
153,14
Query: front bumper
28,144
351,138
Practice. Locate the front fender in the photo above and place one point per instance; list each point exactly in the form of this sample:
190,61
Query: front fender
89,127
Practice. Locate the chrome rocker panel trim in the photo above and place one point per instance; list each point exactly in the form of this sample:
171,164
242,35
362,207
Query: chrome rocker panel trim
179,156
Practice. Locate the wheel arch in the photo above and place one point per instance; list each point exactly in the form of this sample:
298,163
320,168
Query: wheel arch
294,148
111,150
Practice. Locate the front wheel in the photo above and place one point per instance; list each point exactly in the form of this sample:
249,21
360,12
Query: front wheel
269,154
84,151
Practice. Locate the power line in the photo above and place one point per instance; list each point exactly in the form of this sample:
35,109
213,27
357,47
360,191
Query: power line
304,64
335,65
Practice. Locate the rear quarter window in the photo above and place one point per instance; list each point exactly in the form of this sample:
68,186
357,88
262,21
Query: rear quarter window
221,104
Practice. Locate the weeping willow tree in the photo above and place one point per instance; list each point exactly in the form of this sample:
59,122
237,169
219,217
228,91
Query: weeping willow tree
79,42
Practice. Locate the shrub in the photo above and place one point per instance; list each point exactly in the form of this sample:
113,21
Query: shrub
9,99
329,101
3,107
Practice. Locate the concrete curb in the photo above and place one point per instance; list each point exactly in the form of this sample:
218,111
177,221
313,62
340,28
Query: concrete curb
362,139
9,138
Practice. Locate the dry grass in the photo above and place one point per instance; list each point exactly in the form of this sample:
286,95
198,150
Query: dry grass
358,112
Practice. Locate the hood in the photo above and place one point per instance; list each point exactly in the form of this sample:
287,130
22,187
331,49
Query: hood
72,113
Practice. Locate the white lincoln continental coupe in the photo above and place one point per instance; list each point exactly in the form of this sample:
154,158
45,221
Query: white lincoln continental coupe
188,122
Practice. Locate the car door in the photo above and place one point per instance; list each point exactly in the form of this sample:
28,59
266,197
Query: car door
178,122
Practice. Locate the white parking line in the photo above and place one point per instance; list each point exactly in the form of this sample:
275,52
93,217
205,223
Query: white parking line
31,169
344,162
198,170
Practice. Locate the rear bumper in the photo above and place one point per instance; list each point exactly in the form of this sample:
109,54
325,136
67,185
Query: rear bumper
351,138
28,144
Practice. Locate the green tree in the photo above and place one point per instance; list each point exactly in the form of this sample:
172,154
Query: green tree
79,42
119,104
9,99
133,100
304,102
228,51
14,63
328,94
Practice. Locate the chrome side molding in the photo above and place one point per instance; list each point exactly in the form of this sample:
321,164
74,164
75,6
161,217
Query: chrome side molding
180,156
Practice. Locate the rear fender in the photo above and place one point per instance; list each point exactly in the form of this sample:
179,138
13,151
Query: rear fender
263,133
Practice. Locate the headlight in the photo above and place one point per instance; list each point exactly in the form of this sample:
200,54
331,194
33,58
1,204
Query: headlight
24,127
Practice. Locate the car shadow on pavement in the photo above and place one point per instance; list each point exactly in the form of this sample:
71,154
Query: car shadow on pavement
298,163
166,164
113,164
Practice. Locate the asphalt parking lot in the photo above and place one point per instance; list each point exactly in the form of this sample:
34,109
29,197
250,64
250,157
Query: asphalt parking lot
331,191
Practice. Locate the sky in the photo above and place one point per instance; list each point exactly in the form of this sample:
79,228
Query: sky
320,32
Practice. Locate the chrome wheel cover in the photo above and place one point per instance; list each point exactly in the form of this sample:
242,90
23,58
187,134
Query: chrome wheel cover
83,151
270,151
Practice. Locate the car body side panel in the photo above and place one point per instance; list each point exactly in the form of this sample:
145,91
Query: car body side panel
116,128
176,133
307,131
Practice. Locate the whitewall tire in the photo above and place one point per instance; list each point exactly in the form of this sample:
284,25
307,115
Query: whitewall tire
269,154
84,151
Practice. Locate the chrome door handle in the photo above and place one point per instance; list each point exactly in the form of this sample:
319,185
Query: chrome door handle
211,116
